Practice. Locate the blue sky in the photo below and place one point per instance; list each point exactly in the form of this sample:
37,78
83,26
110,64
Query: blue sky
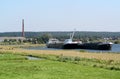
60,15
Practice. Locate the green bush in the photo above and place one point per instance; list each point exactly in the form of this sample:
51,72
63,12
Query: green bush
82,50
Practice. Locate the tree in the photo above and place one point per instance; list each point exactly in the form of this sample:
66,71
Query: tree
46,37
5,40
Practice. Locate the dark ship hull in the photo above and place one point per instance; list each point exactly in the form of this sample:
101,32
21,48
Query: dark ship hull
96,46
55,45
70,46
105,47
62,46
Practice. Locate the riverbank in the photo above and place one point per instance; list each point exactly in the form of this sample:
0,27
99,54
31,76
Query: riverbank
57,64
83,54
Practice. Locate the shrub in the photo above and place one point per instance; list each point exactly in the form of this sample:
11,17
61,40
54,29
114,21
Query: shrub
77,58
82,51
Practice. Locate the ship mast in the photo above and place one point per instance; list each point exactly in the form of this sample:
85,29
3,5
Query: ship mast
71,36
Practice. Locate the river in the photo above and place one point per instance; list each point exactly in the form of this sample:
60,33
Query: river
115,48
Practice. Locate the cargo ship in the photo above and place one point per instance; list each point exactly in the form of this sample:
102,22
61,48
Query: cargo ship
76,45
69,44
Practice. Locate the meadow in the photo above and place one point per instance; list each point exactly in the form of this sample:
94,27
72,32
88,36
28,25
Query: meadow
57,64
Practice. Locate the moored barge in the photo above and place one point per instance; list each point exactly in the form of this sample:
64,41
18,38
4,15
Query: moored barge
69,44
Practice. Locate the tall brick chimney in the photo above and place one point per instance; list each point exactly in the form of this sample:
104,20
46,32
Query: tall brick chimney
23,33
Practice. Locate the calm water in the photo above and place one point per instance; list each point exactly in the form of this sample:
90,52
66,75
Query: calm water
33,58
115,48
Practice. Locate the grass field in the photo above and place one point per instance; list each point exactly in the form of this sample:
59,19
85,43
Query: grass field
18,67
57,64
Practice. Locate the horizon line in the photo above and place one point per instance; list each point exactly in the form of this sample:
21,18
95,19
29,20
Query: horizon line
60,31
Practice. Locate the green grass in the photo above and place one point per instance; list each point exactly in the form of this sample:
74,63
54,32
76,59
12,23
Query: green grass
9,56
18,67
106,64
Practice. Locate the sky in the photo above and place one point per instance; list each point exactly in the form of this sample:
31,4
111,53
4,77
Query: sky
60,15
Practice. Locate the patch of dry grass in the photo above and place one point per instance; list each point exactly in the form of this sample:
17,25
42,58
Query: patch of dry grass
10,47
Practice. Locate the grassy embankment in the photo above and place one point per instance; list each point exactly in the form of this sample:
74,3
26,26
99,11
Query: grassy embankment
58,64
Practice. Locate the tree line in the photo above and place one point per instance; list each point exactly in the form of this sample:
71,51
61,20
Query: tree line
43,37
